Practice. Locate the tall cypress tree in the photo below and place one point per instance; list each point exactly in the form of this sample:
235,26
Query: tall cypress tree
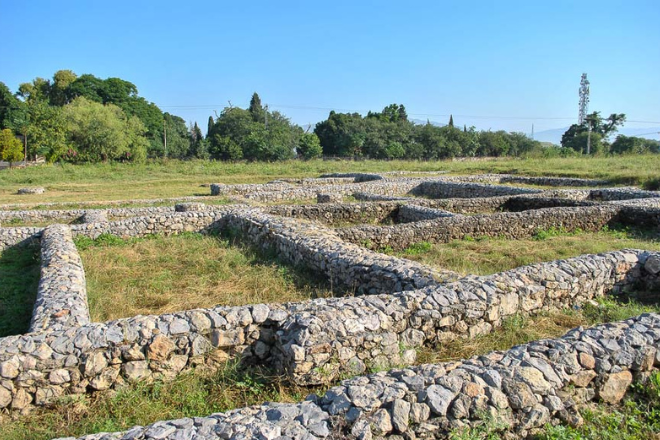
256,109
451,120
209,127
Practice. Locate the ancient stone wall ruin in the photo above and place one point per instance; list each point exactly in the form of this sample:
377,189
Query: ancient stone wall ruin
386,308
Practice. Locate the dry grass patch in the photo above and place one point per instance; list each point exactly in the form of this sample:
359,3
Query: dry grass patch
168,274
484,256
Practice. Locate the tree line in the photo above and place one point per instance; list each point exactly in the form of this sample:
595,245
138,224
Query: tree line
88,119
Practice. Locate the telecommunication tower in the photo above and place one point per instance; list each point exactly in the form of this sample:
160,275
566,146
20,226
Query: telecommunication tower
584,100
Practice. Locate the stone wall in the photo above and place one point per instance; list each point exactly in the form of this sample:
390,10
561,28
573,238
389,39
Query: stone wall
531,180
62,294
512,225
607,194
19,236
522,389
313,341
368,212
414,213
349,335
72,215
357,177
347,266
439,189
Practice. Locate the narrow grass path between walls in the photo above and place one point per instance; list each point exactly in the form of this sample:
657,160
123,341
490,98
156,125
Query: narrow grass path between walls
487,255
19,280
161,274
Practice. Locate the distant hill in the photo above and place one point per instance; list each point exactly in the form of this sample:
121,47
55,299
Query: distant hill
554,135
423,122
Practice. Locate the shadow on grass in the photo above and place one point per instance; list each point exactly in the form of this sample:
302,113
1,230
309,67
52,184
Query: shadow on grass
299,275
19,280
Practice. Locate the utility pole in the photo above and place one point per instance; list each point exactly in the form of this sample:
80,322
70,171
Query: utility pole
165,136
589,137
266,115
532,131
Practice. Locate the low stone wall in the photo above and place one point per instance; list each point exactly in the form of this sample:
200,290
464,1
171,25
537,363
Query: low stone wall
349,335
510,225
277,192
414,213
95,216
368,212
368,197
532,180
11,206
627,193
440,189
62,295
357,177
72,215
19,237
522,389
350,268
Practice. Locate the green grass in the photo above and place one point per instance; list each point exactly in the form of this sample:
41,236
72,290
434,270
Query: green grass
19,279
157,179
487,255
192,394
161,274
636,418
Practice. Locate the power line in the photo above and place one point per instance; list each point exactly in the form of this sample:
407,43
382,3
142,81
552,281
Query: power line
435,115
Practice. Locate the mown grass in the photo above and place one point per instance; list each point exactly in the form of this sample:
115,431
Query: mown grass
19,279
172,178
167,274
487,255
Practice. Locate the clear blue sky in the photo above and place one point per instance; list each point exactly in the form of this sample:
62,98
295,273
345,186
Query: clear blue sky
514,59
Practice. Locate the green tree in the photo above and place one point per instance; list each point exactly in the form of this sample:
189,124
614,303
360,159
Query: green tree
634,145
10,147
198,145
9,106
62,80
178,138
573,137
256,109
100,132
309,146
342,134
45,131
37,91
493,143
209,126
451,120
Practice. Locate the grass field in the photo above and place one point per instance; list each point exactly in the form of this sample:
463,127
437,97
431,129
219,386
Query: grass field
117,181
169,274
